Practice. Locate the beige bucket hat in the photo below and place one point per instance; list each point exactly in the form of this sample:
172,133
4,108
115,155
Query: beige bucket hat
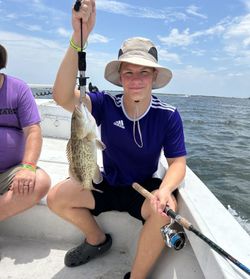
138,51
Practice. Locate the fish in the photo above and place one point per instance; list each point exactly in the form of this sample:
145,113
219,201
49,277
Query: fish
82,148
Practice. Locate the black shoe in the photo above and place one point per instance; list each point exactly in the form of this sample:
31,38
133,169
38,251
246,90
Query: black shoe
127,276
85,252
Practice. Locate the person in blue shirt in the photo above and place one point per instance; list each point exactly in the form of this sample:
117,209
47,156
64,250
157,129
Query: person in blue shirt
136,127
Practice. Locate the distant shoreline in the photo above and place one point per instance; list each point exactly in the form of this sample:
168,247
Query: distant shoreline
47,87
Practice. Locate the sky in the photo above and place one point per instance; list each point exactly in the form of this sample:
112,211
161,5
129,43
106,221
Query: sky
205,43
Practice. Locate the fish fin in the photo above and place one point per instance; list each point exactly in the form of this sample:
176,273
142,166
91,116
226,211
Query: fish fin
97,190
70,158
91,189
88,185
100,144
68,152
97,178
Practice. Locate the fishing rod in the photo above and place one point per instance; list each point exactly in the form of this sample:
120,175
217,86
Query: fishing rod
81,59
187,225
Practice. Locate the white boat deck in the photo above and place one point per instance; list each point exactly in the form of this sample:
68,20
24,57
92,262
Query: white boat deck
43,259
33,244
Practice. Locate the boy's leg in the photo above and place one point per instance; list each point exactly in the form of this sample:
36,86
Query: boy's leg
68,200
150,243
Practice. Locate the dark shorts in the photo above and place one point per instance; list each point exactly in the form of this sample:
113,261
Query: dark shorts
124,199
6,178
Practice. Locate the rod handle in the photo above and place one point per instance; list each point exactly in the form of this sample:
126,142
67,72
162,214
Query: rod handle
145,193
182,221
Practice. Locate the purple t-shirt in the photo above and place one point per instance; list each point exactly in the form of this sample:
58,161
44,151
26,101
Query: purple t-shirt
18,109
159,128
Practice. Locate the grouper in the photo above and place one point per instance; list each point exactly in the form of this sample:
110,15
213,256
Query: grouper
82,148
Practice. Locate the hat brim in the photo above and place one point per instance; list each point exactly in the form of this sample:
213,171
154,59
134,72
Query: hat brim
112,74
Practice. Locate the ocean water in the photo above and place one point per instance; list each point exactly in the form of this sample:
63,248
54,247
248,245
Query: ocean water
217,135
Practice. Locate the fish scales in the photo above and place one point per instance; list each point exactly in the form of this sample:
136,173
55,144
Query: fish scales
82,148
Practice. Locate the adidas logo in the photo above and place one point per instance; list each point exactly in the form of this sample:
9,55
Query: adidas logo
119,123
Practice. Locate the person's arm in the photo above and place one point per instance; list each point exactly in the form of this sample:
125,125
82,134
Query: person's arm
33,143
64,92
172,179
27,174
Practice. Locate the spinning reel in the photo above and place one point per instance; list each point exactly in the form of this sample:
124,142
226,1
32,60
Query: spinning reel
172,237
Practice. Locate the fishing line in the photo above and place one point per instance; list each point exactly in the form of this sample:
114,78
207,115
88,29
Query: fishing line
81,59
140,145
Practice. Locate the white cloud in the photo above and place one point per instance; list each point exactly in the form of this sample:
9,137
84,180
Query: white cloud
11,16
97,38
125,9
239,28
29,27
63,32
164,55
247,4
186,38
237,40
246,42
198,52
218,29
232,47
198,80
235,74
11,38
113,6
176,38
35,11
42,57
193,10
168,14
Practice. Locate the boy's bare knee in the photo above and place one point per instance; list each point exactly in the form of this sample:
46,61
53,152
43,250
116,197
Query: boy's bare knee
50,199
53,202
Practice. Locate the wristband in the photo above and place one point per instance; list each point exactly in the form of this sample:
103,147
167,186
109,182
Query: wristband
29,163
76,47
28,167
